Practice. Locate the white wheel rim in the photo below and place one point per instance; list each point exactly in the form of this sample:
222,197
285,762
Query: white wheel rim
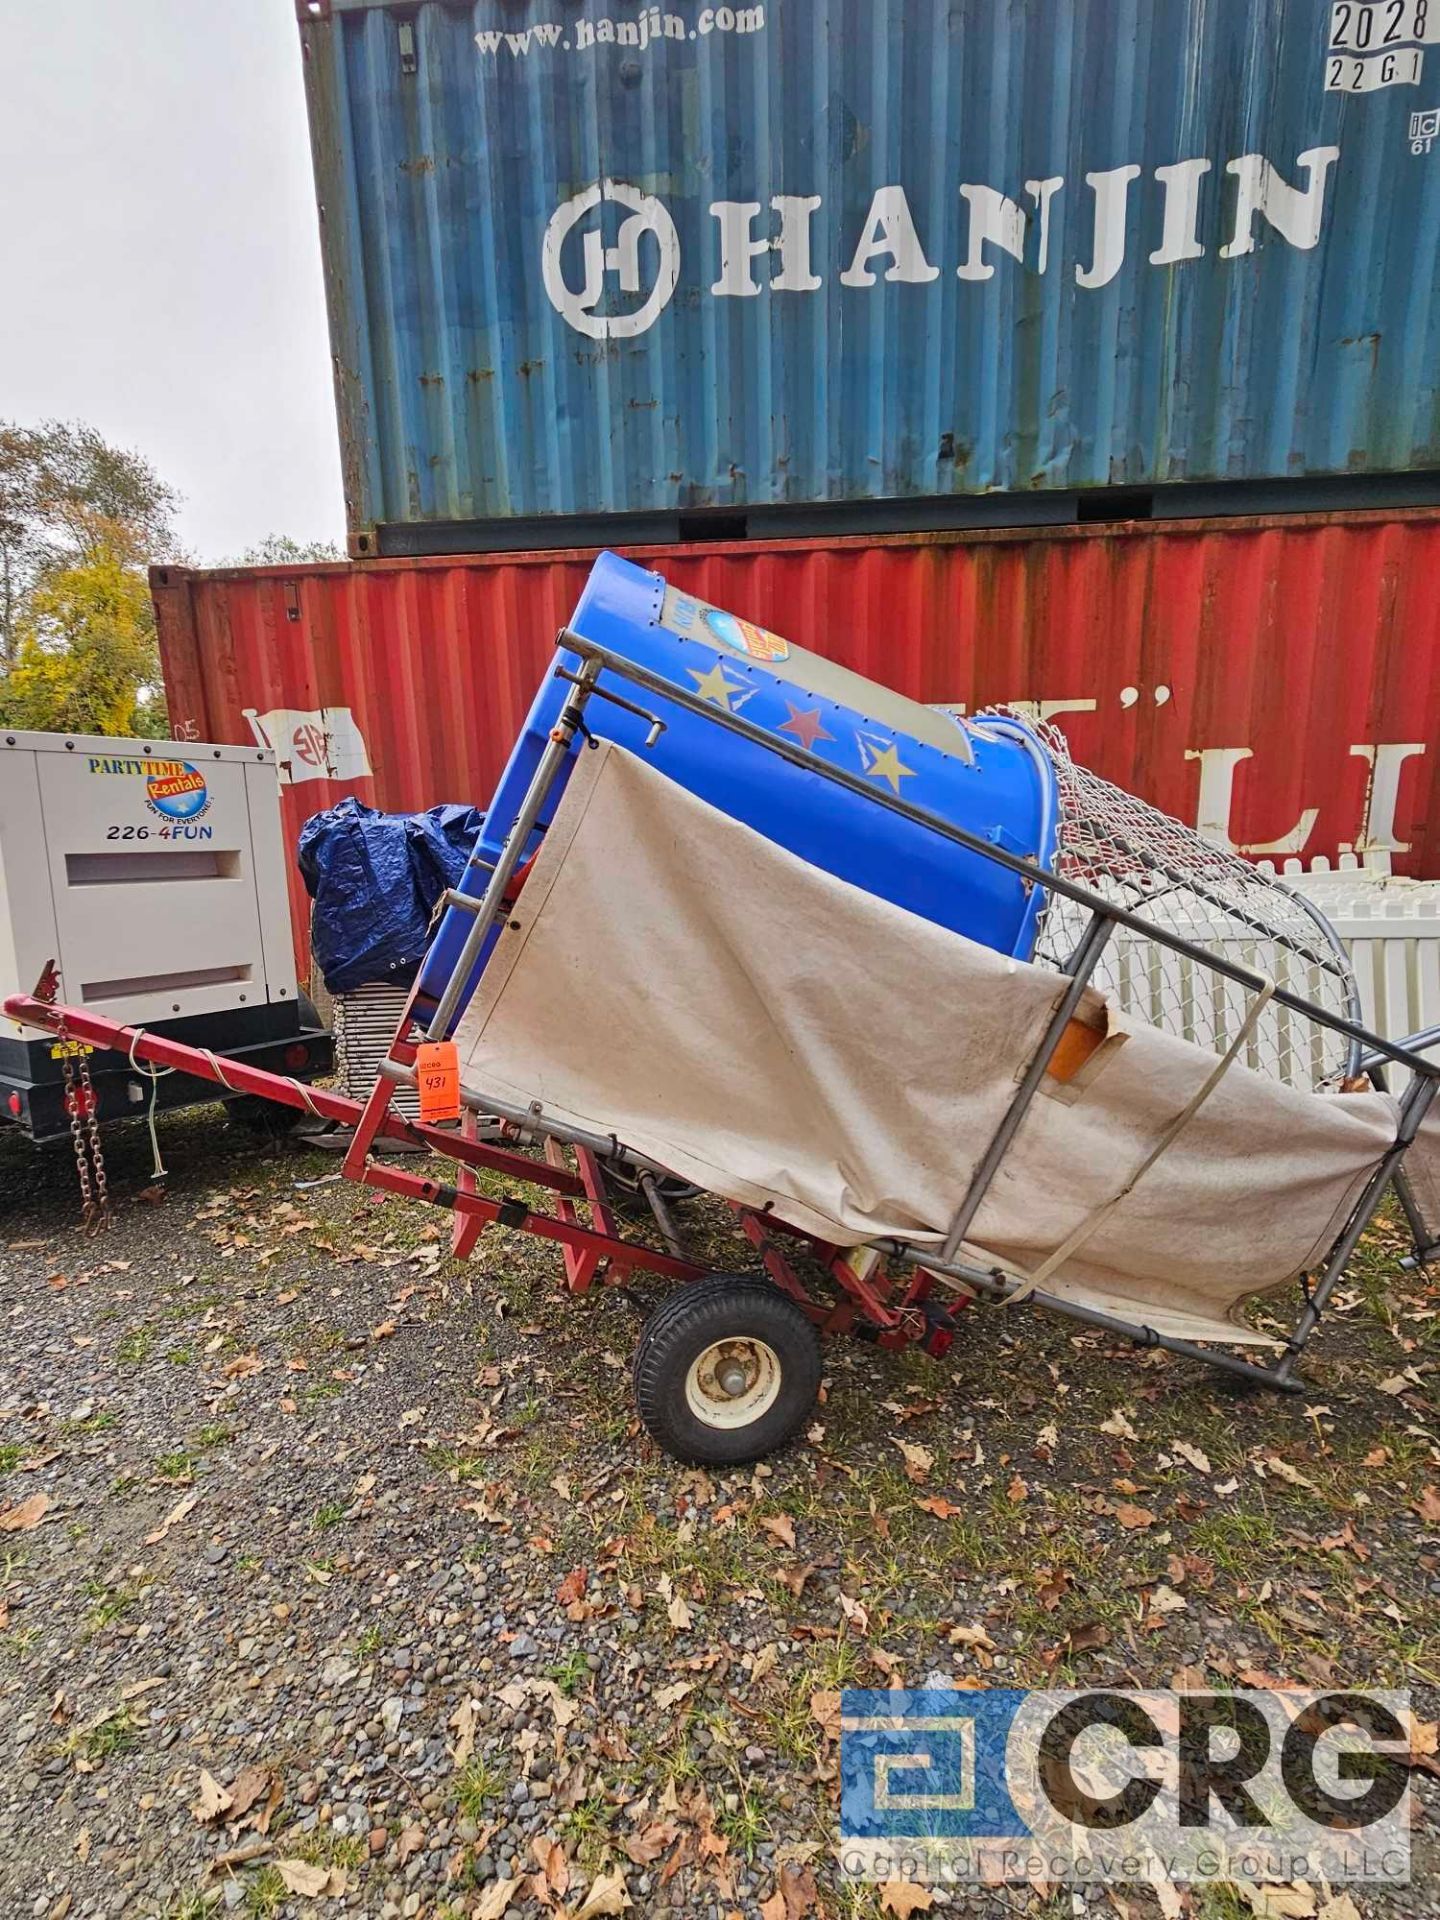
733,1383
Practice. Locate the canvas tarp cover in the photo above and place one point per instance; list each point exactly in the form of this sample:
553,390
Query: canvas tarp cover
781,1038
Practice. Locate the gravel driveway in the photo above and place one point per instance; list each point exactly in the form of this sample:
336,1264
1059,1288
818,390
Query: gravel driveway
343,1581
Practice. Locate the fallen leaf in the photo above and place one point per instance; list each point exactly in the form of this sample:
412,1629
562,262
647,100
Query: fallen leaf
554,1875
213,1801
647,1846
679,1613
781,1526
903,1897
1133,1518
412,1416
669,1697
825,1708
942,1509
410,1841
252,1784
27,1516
1017,1491
797,1889
1428,1508
1118,1425
608,1894
301,1876
918,1460
1191,1454
1087,1638
855,1613
497,1899
172,1519
572,1586
1166,1600
463,1721
963,1636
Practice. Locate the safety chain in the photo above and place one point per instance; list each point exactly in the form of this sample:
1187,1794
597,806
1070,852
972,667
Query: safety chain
80,1104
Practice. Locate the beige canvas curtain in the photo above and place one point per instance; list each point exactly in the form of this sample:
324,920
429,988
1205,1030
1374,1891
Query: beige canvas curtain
781,1038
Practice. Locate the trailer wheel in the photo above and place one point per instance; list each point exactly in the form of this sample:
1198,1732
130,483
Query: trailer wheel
727,1370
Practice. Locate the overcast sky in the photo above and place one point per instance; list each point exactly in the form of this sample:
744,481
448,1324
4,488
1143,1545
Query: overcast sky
159,255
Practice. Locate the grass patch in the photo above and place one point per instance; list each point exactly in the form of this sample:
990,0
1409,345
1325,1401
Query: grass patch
134,1347
329,1515
1246,1546
176,1466
11,1454
741,1818
117,1733
478,1782
265,1895
110,1603
571,1673
324,1848
213,1435
95,1423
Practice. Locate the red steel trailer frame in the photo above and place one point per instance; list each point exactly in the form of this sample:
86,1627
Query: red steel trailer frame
897,1310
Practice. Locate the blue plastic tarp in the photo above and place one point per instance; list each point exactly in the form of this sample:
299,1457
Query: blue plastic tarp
374,878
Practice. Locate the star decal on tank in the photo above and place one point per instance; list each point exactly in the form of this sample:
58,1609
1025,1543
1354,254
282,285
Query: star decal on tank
719,689
881,761
805,724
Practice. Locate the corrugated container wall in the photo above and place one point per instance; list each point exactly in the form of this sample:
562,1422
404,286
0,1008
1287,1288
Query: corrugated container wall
597,256
1277,682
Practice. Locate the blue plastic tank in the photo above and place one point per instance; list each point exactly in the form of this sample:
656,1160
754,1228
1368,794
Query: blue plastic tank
990,776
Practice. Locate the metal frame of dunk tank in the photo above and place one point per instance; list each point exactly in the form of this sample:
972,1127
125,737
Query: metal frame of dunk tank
887,1292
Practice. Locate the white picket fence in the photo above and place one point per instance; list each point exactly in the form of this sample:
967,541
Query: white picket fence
1391,928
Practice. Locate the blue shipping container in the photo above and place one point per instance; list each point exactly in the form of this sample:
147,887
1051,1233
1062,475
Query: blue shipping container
596,257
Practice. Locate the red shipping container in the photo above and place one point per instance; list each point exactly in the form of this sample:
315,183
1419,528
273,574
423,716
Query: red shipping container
1273,680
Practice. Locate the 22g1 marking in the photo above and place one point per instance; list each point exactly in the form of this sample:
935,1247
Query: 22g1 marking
1346,74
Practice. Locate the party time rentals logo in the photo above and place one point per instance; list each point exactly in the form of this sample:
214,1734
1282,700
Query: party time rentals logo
174,790
945,1787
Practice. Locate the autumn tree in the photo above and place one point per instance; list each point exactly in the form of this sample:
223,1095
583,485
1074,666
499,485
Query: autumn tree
80,521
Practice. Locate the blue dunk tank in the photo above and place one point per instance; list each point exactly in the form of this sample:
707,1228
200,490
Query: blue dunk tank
991,778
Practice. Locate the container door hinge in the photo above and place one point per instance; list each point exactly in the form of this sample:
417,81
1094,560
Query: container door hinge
408,63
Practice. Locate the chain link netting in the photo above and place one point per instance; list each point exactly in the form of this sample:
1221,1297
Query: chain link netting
1142,860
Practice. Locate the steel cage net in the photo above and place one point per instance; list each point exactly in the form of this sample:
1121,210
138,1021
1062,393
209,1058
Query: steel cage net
1166,873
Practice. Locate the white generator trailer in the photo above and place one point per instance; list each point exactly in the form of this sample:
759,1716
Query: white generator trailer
152,874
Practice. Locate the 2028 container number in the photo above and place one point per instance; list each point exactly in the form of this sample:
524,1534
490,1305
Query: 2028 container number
1370,26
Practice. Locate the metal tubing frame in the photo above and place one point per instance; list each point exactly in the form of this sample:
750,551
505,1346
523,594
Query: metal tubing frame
557,748
1083,964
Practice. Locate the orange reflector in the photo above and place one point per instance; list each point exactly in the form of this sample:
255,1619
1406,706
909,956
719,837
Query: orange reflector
437,1080
1077,1043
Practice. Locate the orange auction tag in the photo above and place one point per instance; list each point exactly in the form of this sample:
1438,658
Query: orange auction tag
437,1078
